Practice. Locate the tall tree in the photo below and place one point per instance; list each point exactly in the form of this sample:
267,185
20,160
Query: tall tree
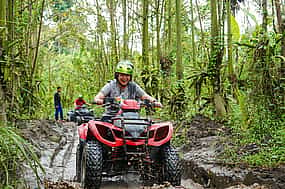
231,73
145,37
125,37
2,51
157,21
193,33
169,27
281,29
35,56
216,61
101,27
179,65
264,15
111,4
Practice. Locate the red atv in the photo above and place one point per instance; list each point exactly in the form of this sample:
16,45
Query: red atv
127,143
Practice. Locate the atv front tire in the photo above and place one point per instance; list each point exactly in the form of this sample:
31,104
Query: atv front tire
91,165
172,167
79,151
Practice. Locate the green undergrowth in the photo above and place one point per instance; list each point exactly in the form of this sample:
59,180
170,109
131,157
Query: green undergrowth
257,142
14,153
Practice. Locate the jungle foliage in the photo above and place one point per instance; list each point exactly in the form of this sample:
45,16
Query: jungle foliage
194,56
15,152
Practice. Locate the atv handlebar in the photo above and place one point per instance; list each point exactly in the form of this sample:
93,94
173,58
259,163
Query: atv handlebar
109,101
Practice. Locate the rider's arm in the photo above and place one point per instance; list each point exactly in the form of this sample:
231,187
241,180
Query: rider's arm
99,98
143,95
146,96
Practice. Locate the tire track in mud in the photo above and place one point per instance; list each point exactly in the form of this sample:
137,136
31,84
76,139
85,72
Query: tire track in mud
68,152
63,159
62,142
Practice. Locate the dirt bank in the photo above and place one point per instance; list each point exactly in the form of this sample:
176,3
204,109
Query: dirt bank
207,139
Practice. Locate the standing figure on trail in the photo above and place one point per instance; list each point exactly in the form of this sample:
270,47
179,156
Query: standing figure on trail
79,102
57,104
122,86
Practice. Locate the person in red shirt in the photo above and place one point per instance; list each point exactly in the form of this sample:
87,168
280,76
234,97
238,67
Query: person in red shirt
79,102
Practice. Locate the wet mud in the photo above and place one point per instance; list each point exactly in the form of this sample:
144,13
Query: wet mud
207,140
56,146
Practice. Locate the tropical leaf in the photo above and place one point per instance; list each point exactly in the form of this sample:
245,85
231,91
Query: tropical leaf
235,29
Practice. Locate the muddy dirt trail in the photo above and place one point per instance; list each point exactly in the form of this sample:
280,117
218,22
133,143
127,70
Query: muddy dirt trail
57,149
56,146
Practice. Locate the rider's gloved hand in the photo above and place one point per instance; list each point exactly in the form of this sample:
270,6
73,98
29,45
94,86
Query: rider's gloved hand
98,101
157,104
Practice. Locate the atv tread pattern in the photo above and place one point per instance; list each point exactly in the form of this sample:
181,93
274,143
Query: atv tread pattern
78,161
94,165
172,165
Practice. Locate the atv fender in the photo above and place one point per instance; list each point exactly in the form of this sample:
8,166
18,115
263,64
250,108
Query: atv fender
82,131
94,128
162,133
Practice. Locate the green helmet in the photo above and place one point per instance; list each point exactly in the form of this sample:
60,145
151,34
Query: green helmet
125,67
80,96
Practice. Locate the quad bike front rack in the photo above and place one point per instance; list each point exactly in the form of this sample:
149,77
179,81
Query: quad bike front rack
124,122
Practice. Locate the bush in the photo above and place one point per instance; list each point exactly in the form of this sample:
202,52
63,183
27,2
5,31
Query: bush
265,130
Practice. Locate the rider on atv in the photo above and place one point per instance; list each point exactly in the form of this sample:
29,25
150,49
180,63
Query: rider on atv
123,87
124,141
79,102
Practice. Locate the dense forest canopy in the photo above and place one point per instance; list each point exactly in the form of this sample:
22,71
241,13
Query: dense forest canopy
221,58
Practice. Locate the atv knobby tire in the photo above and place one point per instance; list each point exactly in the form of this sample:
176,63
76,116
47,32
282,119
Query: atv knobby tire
91,165
79,152
172,167
78,162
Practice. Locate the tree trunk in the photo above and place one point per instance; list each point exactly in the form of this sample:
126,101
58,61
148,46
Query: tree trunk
202,32
38,42
3,6
179,65
281,29
193,34
145,36
281,26
278,15
169,27
158,52
125,38
231,73
264,17
215,62
114,58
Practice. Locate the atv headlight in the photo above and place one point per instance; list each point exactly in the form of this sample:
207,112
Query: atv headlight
161,133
